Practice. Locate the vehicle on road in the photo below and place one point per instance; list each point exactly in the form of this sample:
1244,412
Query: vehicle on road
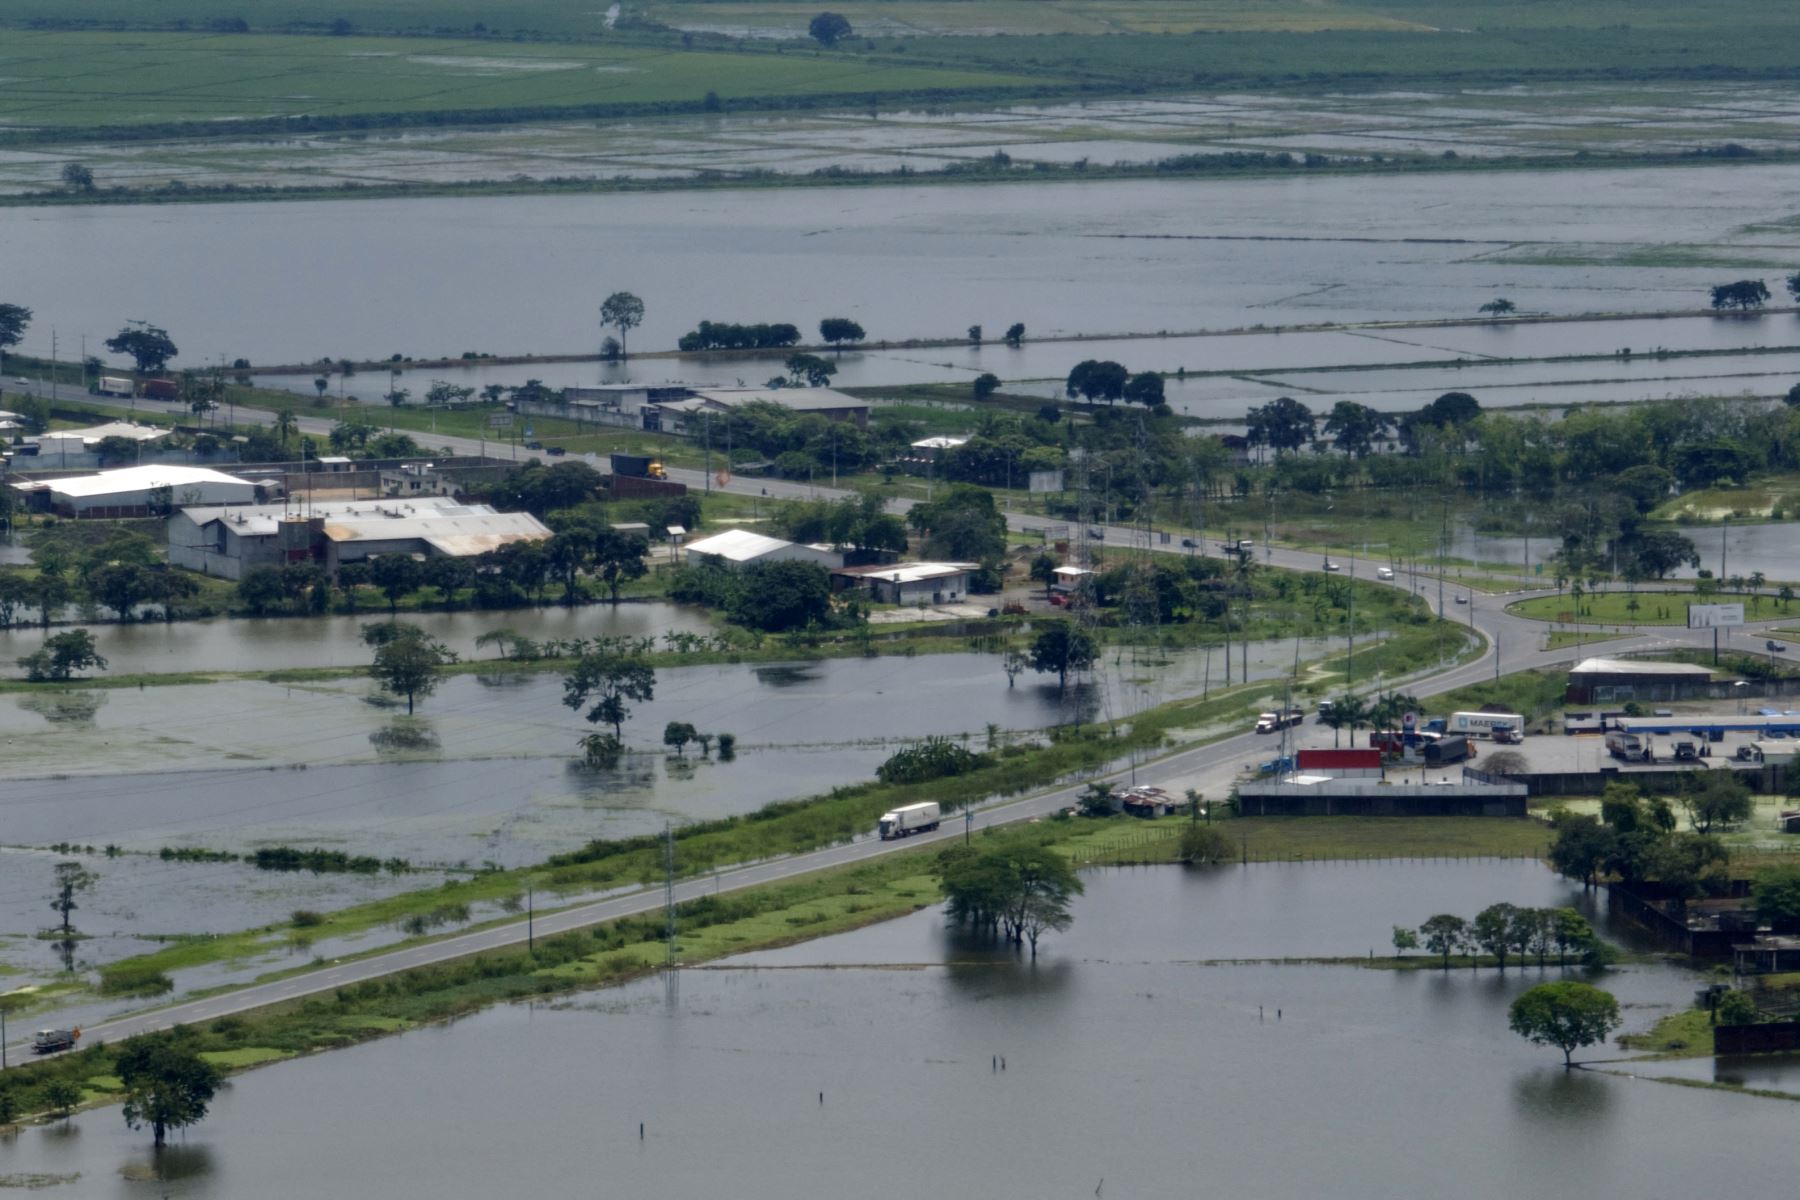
1506,735
555,451
1271,722
1775,647
909,819
161,389
1384,572
1189,544
1097,533
1331,566
1462,599
1325,707
114,385
1276,766
49,1041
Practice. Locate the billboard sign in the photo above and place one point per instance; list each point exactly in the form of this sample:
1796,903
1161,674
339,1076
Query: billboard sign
1715,616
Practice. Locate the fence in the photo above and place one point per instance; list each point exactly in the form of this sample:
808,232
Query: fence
1159,847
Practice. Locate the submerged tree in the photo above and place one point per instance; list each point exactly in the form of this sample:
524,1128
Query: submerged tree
71,877
1566,1015
409,662
167,1084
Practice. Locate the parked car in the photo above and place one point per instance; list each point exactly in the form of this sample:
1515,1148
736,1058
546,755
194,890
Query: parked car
534,445
555,451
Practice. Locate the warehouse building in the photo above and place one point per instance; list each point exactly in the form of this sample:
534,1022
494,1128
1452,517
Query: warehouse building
909,583
145,491
736,548
1617,680
231,542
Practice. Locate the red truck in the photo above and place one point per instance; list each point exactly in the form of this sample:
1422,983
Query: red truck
160,389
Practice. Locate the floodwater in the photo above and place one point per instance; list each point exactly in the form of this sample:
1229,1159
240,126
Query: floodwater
370,279
276,643
1725,550
1131,1069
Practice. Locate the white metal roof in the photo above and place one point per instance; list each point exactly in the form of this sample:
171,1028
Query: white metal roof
138,479
1633,666
253,520
941,442
912,572
798,399
737,545
94,433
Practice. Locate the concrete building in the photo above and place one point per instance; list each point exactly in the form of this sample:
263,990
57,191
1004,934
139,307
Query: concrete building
135,491
1617,680
83,441
737,548
909,583
230,542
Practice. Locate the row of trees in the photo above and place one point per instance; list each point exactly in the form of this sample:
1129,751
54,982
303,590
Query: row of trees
1093,380
1503,931
92,563
1636,839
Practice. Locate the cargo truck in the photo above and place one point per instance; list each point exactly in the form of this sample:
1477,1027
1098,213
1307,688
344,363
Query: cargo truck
1451,748
1630,747
1480,724
1272,722
49,1041
910,819
161,389
116,385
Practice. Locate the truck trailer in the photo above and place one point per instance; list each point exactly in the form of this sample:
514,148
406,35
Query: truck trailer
116,385
910,819
1451,748
1273,722
49,1041
1483,724
1630,747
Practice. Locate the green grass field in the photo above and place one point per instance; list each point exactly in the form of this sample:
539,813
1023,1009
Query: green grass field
59,79
1652,608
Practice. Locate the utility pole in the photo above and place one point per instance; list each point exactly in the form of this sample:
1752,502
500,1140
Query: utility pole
530,921
669,891
706,435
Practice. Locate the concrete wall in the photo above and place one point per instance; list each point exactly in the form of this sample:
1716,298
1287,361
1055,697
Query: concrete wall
1756,1039
1323,800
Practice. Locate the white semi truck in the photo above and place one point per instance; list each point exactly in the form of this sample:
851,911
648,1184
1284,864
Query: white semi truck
910,819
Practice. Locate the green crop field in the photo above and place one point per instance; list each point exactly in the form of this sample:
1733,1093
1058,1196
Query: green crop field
71,80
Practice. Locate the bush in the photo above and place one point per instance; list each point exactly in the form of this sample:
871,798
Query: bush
134,980
933,758
1205,844
1737,1008
306,918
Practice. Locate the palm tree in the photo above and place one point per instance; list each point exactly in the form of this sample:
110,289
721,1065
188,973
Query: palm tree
1353,711
1786,596
286,426
1757,579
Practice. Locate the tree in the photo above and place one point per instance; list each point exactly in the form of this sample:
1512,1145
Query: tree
1019,893
1355,427
1793,287
1715,798
677,734
610,680
1566,1015
1583,845
781,596
77,178
1500,306
975,334
1777,894
1737,1008
1015,334
286,426
1505,762
1093,380
167,1084
1061,648
1492,930
71,877
260,590
1282,424
808,370
619,557
396,575
62,655
962,525
1404,939
120,586
986,384
14,319
829,28
837,330
1444,935
1145,388
1570,931
409,663
624,312
1743,295
148,346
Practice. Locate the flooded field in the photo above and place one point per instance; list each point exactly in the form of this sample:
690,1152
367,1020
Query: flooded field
368,279
1518,122
276,643
762,1082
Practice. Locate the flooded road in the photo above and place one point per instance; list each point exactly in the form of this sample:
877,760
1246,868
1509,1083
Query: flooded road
1127,1062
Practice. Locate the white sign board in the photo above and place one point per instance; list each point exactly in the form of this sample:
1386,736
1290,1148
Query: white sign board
1715,616
1045,481
500,420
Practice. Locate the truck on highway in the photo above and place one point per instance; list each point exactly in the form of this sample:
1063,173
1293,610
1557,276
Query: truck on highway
116,385
1274,722
49,1041
1451,748
1630,747
909,819
1483,724
161,389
